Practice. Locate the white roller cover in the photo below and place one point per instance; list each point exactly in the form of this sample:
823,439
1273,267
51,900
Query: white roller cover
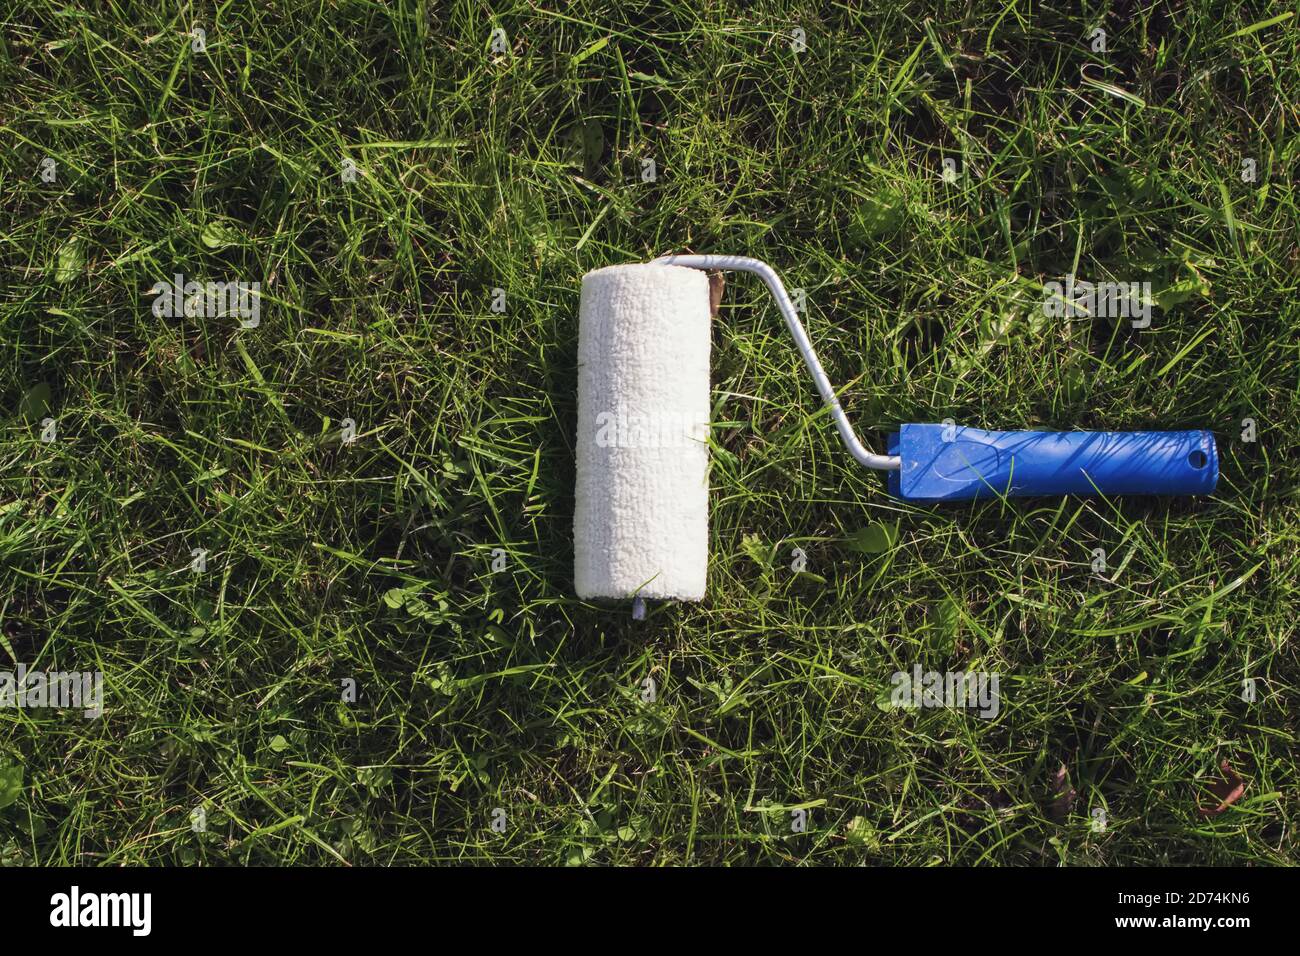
640,517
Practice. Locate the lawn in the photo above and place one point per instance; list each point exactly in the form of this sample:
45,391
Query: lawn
322,555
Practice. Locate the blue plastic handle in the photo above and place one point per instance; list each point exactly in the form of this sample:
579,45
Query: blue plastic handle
951,462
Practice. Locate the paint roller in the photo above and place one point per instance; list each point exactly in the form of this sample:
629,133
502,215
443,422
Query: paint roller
641,490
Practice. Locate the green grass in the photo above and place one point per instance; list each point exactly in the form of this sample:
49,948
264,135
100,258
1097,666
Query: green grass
373,561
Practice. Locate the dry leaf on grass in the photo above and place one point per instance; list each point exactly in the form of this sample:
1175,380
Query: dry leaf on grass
716,285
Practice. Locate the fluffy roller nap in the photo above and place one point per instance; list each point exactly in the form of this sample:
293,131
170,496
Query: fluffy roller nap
640,521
